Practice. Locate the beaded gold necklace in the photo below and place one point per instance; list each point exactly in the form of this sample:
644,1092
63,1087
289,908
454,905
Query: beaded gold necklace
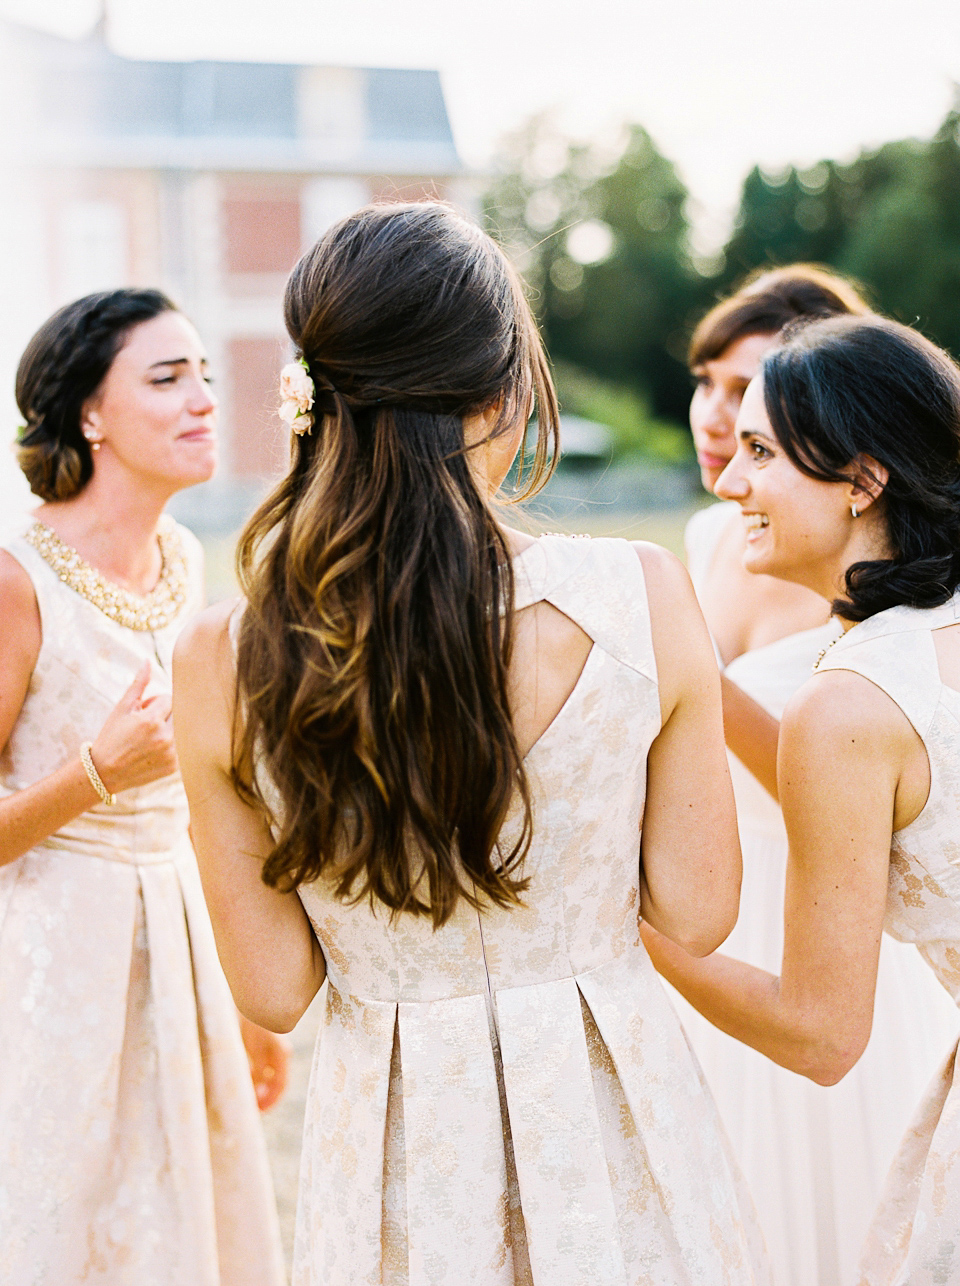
151,611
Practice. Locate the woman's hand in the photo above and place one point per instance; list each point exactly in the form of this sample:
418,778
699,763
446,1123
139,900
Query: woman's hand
135,745
269,1057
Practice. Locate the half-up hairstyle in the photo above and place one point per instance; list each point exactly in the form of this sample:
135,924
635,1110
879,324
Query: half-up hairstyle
373,651
847,388
64,364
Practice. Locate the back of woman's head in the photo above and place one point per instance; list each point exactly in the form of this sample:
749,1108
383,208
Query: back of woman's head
844,392
62,367
769,300
372,657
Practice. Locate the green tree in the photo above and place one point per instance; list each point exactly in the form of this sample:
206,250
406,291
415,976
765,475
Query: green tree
601,234
890,219
905,243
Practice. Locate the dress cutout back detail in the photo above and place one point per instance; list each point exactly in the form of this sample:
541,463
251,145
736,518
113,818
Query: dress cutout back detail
510,1099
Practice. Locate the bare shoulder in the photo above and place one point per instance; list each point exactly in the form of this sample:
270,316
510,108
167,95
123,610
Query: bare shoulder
662,570
841,707
669,588
16,587
681,644
18,606
203,649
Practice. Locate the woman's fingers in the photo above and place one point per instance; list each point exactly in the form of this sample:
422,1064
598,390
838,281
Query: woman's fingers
132,697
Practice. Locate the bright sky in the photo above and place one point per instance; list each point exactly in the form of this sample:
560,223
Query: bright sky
719,85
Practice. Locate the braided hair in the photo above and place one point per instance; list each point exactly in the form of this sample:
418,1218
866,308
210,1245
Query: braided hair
845,390
63,365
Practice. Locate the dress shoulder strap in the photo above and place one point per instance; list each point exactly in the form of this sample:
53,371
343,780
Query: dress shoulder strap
895,651
599,584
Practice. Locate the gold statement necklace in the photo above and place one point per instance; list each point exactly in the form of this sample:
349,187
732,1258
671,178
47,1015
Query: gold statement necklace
151,611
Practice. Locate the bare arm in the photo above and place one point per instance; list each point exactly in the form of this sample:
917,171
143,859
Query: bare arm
690,849
751,733
267,946
134,746
845,749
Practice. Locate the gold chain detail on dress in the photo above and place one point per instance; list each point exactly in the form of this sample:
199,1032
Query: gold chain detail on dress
152,611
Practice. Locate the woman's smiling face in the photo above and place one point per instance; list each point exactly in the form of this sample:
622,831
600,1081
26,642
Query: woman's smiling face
798,527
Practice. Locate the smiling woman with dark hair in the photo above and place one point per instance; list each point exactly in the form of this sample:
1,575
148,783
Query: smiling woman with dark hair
130,1148
847,473
815,1159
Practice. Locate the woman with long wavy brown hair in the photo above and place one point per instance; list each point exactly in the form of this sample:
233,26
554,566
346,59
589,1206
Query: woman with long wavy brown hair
418,756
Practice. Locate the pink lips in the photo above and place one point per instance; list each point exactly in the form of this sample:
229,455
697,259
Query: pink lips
711,461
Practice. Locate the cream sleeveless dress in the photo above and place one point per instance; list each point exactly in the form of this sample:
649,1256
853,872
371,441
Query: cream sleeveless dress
130,1147
511,1099
814,1158
915,1237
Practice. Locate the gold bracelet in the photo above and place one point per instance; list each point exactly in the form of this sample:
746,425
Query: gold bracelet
95,780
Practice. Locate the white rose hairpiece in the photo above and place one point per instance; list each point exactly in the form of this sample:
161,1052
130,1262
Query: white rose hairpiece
297,392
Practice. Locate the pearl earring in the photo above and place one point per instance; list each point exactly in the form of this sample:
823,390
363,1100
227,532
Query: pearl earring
94,442
854,511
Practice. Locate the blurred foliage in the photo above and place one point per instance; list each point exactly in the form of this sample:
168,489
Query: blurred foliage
626,412
601,234
890,219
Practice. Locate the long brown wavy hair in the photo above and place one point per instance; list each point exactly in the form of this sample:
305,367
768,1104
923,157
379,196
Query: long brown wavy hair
373,651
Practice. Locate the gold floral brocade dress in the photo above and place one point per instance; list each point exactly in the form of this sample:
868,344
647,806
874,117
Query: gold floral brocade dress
915,1237
511,1099
131,1152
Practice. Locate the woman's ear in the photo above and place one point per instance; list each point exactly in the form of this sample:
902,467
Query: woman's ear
869,478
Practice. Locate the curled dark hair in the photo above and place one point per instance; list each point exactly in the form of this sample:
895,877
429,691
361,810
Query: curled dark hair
847,390
372,655
63,365
770,299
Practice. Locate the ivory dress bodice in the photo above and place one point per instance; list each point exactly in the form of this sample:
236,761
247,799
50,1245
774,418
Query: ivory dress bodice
895,650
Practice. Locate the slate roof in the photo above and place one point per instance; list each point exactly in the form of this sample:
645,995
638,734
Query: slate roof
94,107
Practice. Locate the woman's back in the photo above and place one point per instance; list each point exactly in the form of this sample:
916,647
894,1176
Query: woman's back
528,1051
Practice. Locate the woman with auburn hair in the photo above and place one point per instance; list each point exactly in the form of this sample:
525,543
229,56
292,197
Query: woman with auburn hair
815,1159
847,474
418,757
130,1147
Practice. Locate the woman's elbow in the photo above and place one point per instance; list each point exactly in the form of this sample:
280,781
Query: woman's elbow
280,1008
710,932
278,1018
826,1060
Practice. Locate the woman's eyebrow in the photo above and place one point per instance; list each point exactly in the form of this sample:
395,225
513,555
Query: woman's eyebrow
755,433
171,361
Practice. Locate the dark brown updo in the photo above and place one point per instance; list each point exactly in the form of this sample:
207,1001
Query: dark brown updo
63,365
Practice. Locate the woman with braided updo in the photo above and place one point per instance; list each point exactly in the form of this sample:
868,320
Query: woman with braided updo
418,757
130,1149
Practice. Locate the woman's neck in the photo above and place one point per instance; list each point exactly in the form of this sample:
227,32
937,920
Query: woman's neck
114,529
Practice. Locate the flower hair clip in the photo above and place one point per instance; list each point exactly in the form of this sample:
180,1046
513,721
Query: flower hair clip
297,394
